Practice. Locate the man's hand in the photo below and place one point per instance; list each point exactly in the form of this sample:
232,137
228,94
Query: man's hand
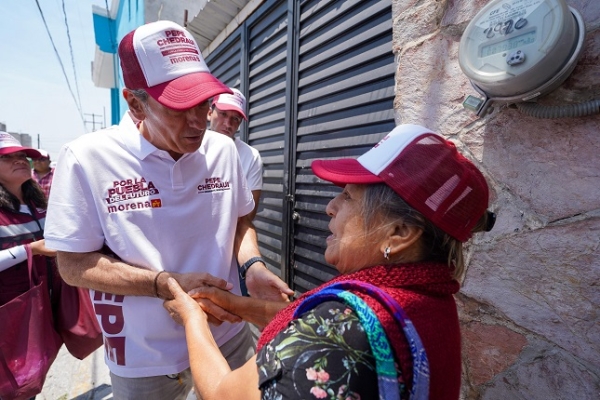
261,283
265,285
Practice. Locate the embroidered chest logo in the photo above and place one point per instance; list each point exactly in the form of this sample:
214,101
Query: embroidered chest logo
213,185
132,194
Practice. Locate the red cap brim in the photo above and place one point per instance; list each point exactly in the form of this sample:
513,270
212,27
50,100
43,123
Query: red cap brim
188,91
229,107
31,153
343,171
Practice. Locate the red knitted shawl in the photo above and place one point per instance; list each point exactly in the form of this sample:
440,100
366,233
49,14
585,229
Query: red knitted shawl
424,290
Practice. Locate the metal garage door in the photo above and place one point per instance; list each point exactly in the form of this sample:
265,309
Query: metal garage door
319,78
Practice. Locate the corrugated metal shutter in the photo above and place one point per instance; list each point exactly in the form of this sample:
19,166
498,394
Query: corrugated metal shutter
267,81
268,48
255,60
320,85
345,105
225,63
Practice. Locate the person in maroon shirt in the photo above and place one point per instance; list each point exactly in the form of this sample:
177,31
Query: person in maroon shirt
386,327
22,216
42,173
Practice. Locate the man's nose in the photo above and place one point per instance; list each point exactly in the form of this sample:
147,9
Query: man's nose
197,116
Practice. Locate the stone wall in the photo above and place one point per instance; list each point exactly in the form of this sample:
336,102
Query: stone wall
530,301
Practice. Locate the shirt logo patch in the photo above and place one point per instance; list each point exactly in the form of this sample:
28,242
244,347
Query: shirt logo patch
156,203
132,194
213,185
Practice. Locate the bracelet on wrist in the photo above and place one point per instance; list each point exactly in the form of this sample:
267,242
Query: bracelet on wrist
246,266
156,283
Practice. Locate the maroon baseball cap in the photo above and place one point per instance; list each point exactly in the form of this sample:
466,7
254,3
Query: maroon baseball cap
164,59
425,170
231,102
9,145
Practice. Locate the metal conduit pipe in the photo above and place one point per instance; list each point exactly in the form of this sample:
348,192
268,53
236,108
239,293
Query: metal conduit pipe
566,111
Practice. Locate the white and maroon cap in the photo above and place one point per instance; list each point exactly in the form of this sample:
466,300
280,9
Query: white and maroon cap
164,59
9,145
43,154
231,102
425,170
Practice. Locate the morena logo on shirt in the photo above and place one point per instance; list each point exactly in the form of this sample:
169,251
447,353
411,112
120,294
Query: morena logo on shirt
213,185
123,191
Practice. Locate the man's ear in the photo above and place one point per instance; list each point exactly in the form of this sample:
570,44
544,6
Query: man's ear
402,238
136,106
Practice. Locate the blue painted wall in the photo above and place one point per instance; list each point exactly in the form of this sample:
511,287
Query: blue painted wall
108,33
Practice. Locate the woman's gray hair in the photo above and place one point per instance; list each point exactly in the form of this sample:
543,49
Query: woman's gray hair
381,202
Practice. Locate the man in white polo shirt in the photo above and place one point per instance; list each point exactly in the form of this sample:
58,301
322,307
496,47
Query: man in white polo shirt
225,116
155,197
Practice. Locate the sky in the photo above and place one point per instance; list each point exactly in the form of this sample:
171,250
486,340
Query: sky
34,95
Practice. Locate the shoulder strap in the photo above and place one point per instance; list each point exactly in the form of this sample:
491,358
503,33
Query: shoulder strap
382,351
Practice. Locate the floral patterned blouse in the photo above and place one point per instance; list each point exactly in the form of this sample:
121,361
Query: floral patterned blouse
325,354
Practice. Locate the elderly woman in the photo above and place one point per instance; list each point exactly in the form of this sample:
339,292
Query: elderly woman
387,326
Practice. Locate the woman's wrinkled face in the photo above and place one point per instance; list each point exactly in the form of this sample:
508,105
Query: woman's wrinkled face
350,247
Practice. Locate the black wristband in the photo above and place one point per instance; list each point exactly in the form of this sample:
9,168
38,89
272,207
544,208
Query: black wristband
246,266
156,284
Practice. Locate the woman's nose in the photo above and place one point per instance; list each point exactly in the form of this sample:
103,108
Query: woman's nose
329,208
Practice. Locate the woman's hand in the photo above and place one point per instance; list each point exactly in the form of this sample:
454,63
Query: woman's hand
39,248
256,311
219,297
182,307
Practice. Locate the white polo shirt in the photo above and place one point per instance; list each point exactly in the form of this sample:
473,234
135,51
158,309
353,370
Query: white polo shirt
251,164
114,188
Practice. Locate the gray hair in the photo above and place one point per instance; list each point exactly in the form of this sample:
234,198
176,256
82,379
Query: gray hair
140,94
380,201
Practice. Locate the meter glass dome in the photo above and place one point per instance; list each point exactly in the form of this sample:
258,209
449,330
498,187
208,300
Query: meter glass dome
513,47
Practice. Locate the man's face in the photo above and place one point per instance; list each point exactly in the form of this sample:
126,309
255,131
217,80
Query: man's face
177,132
225,122
41,164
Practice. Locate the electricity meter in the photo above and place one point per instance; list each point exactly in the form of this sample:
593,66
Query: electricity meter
517,50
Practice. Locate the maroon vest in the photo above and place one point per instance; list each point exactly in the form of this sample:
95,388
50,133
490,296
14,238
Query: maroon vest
425,292
18,228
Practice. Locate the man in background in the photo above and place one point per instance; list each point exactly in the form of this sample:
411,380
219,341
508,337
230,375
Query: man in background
225,116
42,173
